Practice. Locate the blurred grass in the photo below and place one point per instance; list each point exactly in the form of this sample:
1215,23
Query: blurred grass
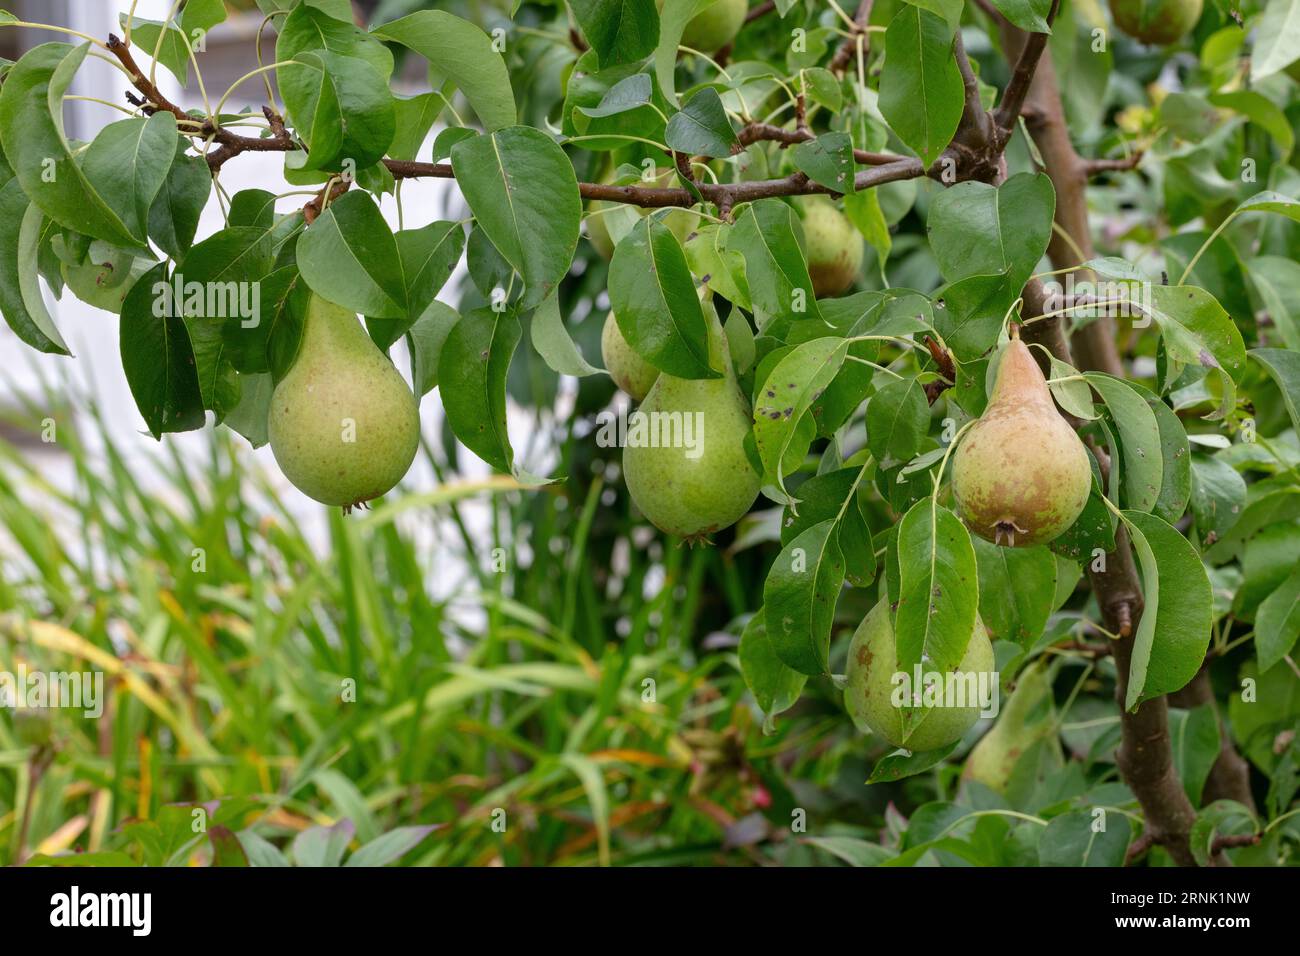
565,705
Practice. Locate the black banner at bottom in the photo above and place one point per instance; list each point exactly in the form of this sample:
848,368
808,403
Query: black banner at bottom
333,906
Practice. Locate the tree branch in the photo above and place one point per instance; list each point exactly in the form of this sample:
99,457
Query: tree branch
1022,77
849,48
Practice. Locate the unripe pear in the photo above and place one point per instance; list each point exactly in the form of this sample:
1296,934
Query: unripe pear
1158,22
833,247
680,222
1025,719
626,367
694,491
870,687
1020,475
344,426
715,26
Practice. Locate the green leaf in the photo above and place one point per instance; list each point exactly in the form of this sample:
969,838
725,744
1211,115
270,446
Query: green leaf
429,256
342,108
786,397
828,160
1277,281
673,17
465,55
1277,39
31,131
776,687
425,340
978,229
897,419
472,369
921,93
1016,591
1283,365
554,344
415,116
938,588
702,127
655,303
523,192
1072,839
775,267
1174,632
127,164
174,51
281,299
627,94
1176,453
1194,736
323,846
350,257
799,598
310,28
390,847
1277,622
174,215
822,497
20,292
1218,497
1139,437
1261,111
250,416
1030,15
852,851
157,358
220,263
906,763
619,31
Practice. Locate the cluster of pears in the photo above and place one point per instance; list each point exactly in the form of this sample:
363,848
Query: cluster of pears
869,690
690,493
1158,22
344,426
833,246
1020,475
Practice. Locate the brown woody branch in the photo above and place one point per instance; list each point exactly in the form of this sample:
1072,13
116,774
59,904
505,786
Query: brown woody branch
1091,167
757,132
849,48
1022,77
228,142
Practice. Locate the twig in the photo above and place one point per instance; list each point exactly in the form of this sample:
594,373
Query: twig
849,48
1091,167
1013,99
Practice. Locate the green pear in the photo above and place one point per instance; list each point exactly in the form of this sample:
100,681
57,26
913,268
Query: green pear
833,247
681,222
693,491
626,367
344,426
870,688
715,26
1026,718
1020,475
1158,22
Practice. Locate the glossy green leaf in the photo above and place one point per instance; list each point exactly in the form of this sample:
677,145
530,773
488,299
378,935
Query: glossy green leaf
350,257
